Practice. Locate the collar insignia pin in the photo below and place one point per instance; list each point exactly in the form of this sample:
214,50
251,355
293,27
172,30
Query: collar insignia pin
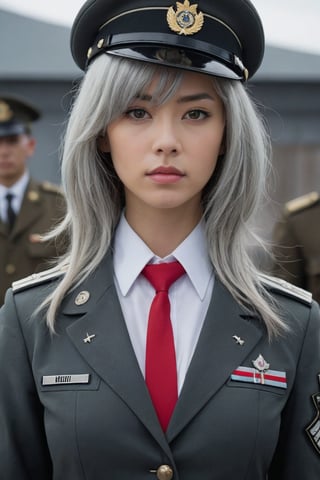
238,340
261,365
88,338
185,20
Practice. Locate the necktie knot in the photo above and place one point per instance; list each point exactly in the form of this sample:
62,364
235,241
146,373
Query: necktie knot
163,275
9,197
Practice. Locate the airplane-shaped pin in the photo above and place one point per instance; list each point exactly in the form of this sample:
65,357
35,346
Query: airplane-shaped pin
238,340
88,338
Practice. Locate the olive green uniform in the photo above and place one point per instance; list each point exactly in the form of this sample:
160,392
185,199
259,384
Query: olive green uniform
21,251
296,241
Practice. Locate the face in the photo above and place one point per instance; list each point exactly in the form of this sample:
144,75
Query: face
14,151
165,154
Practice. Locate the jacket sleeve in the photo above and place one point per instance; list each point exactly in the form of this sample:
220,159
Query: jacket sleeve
23,447
297,455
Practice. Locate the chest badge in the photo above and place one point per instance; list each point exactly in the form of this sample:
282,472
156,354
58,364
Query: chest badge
260,374
261,365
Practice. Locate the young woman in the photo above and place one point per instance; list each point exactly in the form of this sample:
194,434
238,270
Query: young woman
164,165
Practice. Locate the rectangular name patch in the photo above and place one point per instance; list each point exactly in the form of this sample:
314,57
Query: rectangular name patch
273,378
65,379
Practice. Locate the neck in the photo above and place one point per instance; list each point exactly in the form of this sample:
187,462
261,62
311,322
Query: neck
163,230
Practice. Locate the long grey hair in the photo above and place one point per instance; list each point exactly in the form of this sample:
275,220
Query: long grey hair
95,195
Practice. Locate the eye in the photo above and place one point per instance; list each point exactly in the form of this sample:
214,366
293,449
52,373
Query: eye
137,113
196,115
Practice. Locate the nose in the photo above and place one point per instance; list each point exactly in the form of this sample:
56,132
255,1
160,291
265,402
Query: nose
166,138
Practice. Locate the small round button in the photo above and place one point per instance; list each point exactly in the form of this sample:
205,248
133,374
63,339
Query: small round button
164,472
10,269
82,298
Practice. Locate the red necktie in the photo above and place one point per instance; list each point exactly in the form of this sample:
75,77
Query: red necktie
161,368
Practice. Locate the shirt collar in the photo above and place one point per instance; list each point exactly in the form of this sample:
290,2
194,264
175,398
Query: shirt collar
18,188
191,253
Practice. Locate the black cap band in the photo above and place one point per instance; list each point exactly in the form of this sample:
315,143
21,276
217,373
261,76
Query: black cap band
217,37
10,129
149,45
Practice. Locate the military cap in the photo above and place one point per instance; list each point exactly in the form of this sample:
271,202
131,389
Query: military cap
16,116
218,37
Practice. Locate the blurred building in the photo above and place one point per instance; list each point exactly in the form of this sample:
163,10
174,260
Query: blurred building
36,63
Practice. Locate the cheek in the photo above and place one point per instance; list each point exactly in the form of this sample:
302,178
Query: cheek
123,166
20,156
208,151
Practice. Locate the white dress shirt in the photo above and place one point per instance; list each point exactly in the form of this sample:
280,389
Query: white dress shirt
17,190
189,296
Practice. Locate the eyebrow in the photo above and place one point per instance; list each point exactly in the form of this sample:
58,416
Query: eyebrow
185,99
195,97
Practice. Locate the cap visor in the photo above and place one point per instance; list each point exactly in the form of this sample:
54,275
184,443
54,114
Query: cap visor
178,58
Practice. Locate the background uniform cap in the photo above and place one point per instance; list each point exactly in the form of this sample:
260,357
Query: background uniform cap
217,37
16,116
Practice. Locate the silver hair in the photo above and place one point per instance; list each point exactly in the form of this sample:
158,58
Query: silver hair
95,197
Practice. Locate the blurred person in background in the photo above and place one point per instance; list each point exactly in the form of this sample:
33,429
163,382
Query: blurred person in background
28,208
296,240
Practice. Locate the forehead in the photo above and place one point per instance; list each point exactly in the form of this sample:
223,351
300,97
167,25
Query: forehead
14,139
178,83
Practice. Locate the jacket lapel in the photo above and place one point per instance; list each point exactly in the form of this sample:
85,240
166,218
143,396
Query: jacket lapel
3,229
110,352
217,354
31,209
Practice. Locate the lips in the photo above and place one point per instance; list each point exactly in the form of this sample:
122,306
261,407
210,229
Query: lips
165,175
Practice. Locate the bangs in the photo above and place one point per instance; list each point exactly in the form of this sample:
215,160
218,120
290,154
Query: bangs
166,82
119,81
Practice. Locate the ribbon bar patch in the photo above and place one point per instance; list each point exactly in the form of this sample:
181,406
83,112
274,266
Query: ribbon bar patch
251,375
65,379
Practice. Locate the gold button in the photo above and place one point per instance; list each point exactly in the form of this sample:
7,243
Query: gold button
164,472
33,196
10,269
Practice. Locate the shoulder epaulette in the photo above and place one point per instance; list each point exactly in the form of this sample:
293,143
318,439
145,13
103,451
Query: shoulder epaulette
301,203
38,278
279,285
51,187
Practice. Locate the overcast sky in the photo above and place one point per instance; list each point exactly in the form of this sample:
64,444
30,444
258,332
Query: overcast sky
288,23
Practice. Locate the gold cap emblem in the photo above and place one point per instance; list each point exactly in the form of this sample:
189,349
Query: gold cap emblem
5,112
185,20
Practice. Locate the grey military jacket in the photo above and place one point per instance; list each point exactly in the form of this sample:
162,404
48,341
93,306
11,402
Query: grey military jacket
74,405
